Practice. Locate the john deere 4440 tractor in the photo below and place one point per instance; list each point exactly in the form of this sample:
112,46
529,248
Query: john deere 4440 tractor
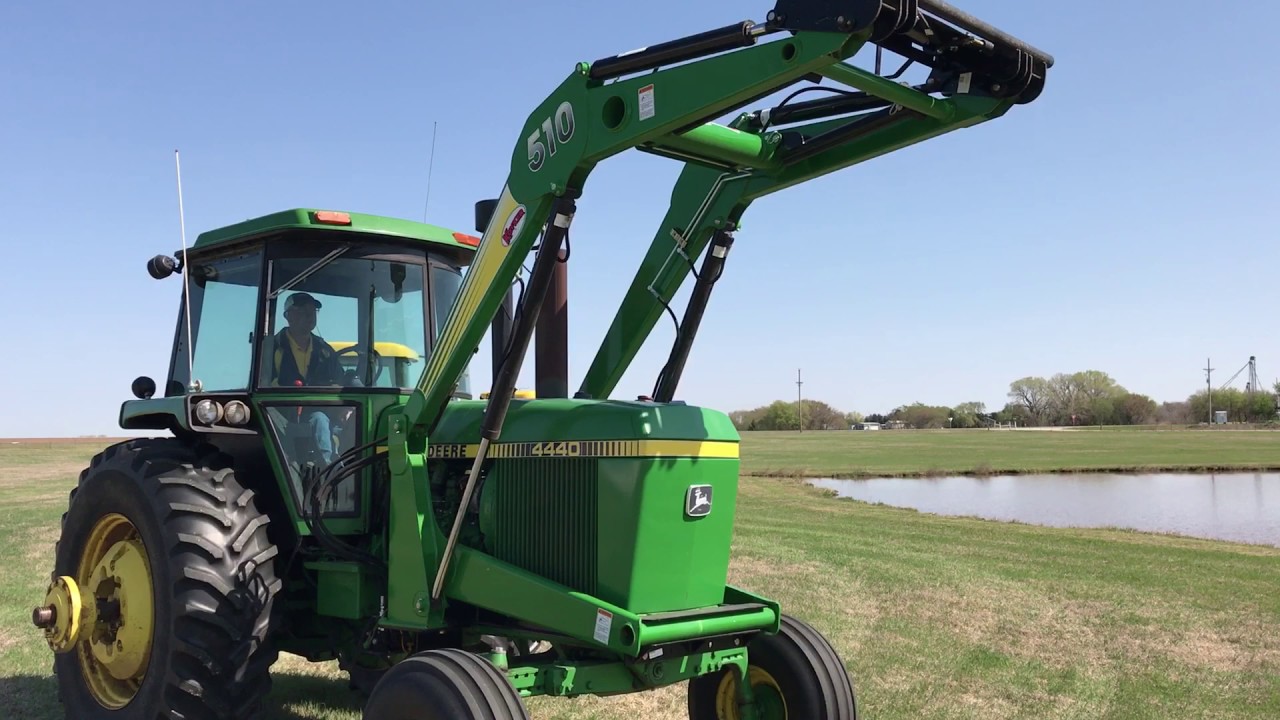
329,485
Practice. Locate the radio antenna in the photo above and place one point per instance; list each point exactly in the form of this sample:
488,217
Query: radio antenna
192,384
430,163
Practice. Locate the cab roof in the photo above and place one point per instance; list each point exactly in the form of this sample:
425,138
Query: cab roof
336,220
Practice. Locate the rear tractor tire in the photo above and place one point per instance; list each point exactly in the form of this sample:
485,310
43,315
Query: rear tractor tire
447,684
794,675
166,561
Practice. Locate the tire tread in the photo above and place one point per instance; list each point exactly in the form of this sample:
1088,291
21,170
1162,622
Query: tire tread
218,556
467,679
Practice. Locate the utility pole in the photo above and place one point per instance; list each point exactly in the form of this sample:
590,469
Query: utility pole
1208,373
799,407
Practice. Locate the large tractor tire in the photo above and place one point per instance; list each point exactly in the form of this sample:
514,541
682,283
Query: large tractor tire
166,559
445,684
794,675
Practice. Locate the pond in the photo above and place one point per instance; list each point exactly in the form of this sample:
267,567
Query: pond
1240,507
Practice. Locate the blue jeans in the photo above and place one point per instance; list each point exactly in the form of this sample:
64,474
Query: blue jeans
322,434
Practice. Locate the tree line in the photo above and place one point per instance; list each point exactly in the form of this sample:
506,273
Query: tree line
1088,397
1092,397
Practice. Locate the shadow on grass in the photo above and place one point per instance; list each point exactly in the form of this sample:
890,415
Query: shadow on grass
30,697
309,697
292,697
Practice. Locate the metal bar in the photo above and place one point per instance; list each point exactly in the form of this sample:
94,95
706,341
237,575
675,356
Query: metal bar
724,145
463,507
551,351
937,108
501,330
535,294
711,267
817,109
706,627
844,134
673,51
958,17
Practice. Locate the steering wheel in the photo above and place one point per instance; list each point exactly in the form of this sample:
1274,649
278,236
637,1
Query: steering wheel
369,361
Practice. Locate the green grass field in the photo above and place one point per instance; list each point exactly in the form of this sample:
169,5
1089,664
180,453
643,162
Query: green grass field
911,452
935,617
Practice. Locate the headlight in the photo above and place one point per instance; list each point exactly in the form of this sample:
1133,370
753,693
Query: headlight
237,413
208,412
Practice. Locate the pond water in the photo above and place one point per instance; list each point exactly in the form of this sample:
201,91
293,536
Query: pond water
1241,507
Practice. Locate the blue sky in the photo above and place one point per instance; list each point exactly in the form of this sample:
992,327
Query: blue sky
1119,223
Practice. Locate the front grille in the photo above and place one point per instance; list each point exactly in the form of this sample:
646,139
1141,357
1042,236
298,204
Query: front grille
545,518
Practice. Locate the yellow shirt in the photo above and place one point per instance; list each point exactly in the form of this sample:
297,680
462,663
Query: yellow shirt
301,355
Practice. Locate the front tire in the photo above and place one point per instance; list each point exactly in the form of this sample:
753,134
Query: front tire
795,675
174,554
445,684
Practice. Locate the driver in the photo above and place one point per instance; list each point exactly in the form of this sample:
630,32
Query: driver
303,358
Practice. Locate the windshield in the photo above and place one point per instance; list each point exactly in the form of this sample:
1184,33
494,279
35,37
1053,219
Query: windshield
350,322
224,299
446,281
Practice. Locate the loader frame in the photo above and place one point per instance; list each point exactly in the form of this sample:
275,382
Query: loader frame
663,100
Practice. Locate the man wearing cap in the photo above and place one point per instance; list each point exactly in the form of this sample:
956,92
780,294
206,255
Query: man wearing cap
303,358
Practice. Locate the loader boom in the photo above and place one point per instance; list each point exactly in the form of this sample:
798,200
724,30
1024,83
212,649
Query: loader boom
663,100
631,101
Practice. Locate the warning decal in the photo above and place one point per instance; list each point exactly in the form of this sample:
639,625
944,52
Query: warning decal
604,623
646,102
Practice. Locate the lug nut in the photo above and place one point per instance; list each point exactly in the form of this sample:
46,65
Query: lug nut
43,617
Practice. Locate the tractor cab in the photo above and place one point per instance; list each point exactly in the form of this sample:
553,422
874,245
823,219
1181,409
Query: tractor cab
306,327
335,289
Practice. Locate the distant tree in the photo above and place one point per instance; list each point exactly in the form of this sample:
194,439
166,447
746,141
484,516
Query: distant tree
921,416
853,418
778,415
1064,399
879,418
968,415
744,419
1014,413
1135,409
1240,406
1174,413
1033,394
1261,407
821,416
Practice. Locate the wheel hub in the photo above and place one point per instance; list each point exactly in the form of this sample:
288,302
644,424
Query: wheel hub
105,612
767,701
121,640
62,615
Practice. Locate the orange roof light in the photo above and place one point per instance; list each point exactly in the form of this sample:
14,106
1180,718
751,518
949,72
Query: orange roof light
333,217
466,239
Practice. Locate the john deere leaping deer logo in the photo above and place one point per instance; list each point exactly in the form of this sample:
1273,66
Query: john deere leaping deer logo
697,501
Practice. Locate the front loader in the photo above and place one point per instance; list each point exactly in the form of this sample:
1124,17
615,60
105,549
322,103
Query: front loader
460,552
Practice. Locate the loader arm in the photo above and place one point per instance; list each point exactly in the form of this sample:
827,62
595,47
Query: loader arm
708,199
663,99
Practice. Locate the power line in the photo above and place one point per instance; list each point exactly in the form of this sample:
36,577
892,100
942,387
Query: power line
799,407
1208,373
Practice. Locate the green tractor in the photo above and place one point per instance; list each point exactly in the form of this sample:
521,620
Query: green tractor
459,552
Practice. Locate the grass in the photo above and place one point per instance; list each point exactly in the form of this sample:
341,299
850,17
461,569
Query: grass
934,617
905,453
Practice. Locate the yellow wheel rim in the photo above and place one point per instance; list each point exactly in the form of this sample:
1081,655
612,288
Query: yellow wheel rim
769,702
114,575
